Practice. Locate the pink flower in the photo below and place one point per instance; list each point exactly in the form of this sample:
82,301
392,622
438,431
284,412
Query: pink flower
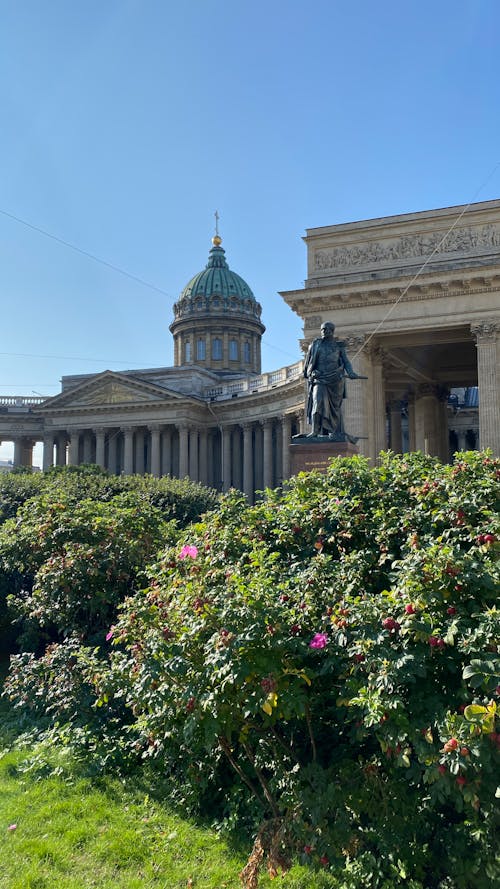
12,827
188,551
318,641
110,634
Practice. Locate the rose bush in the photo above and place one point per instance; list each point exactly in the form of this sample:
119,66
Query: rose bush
326,664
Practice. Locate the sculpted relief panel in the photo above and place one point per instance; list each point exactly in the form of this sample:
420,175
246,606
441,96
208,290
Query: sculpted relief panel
462,240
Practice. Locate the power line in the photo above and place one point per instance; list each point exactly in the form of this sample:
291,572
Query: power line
108,265
86,253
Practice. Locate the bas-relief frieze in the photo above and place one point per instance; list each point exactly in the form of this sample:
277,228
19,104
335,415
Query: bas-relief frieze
113,394
462,240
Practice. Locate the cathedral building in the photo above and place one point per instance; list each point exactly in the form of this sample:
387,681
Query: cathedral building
415,298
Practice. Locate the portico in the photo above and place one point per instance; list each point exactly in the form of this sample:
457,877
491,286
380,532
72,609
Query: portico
417,300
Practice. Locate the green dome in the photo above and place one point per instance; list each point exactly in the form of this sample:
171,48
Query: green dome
217,290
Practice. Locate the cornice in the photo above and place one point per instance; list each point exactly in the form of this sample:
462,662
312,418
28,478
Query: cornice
315,299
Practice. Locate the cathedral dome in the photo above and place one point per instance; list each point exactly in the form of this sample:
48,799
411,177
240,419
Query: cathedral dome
217,319
217,288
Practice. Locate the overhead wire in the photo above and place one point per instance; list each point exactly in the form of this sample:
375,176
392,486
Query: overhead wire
108,265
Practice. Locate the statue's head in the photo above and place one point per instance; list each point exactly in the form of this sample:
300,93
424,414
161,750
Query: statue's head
327,330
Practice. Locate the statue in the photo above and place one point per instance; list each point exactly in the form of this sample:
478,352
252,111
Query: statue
325,369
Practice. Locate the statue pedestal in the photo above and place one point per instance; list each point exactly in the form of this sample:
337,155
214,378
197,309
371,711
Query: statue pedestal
308,454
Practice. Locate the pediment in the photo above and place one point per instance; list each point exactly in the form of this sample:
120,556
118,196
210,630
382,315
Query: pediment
111,389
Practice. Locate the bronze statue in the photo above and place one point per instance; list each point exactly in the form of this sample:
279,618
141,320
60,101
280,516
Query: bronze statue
325,369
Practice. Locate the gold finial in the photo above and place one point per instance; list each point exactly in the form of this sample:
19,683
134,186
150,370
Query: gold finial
216,240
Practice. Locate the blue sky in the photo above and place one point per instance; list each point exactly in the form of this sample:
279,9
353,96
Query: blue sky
125,124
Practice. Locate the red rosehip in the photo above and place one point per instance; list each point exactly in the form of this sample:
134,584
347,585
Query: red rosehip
359,658
389,623
461,780
450,745
489,538
436,642
295,630
410,608
442,769
451,610
191,705
284,598
324,861
308,850
464,751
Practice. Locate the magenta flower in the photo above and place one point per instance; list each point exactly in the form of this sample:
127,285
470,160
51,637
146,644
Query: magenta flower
188,551
12,827
110,634
318,641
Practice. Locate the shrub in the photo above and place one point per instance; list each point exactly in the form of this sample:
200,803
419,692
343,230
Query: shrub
73,541
327,662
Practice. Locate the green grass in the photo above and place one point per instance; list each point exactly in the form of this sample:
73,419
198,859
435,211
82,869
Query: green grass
77,832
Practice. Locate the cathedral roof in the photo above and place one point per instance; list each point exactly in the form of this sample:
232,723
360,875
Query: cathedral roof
217,288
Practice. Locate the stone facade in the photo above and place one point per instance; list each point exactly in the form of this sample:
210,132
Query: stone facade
416,299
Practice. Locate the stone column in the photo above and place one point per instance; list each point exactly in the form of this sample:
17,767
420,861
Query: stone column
427,426
442,424
237,459
48,452
74,447
139,451
488,378
27,446
376,404
412,439
193,454
100,441
203,456
18,452
113,452
61,445
128,450
247,461
183,450
286,435
226,458
166,451
267,426
355,406
395,426
87,446
155,450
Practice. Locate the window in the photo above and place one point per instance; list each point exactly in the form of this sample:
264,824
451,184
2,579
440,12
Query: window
233,350
217,349
200,350
246,353
187,352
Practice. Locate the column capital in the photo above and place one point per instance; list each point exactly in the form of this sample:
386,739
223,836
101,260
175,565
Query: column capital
266,421
154,427
425,390
99,430
355,341
485,330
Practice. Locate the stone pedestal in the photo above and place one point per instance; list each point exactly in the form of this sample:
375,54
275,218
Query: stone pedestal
307,454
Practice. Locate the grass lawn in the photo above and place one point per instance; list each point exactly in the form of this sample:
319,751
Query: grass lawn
74,832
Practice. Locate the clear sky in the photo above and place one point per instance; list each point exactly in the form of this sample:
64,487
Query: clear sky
126,123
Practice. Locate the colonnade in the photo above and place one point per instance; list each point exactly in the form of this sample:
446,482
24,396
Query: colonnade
373,413
250,455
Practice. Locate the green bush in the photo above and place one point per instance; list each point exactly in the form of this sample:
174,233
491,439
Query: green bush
74,540
326,664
